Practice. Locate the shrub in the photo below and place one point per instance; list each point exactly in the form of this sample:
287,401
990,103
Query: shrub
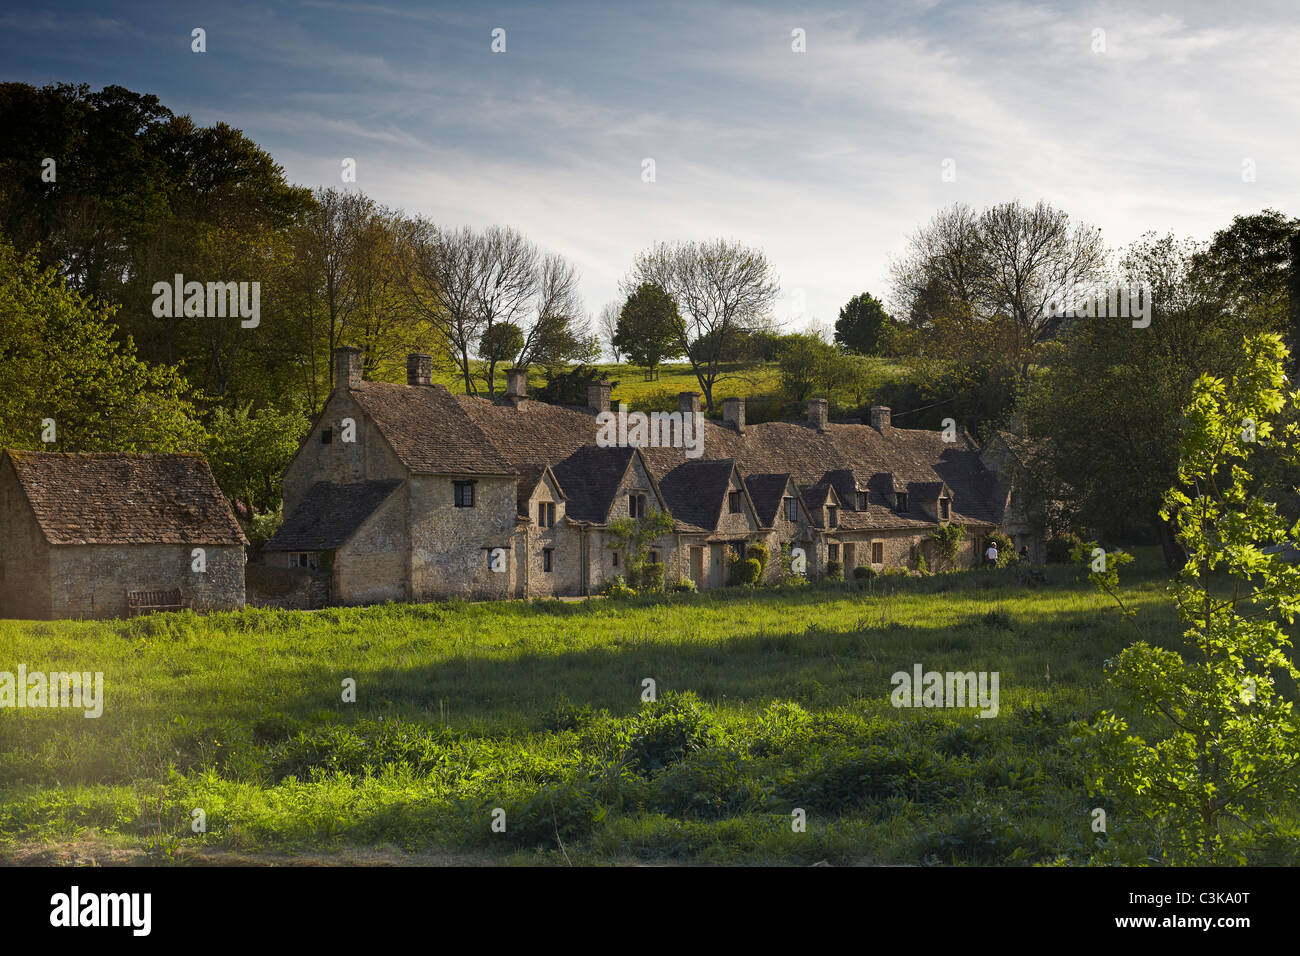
760,554
1059,547
666,730
922,568
834,571
652,578
894,572
864,572
746,573
686,586
618,588
997,619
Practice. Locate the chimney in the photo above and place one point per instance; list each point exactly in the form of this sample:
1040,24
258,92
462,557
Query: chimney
817,413
688,403
347,366
598,396
733,412
419,369
880,418
516,383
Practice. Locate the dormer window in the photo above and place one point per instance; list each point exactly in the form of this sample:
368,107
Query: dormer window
733,502
791,509
900,502
636,506
545,514
862,501
945,511
832,516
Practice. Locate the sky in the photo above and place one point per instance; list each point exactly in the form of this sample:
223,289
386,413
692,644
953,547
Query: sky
1132,117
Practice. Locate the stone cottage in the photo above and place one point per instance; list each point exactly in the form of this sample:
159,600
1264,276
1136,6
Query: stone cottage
98,535
407,492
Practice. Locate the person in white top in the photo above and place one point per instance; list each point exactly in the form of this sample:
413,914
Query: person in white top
991,555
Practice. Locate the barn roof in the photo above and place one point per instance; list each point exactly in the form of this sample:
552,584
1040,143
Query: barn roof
120,498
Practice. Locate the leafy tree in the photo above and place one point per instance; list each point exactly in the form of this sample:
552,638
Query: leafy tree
649,328
248,451
802,363
60,361
500,343
861,322
1219,738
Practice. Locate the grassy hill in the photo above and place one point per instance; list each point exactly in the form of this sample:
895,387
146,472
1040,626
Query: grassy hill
756,382
768,701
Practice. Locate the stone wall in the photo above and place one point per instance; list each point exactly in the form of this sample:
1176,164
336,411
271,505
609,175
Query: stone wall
92,580
368,458
450,545
374,565
24,554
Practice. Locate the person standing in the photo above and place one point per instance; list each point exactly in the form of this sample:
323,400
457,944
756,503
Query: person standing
991,555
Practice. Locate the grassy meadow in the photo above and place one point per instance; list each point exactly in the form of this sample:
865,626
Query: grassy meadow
767,701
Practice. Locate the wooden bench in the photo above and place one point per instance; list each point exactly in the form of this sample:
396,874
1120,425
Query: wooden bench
142,602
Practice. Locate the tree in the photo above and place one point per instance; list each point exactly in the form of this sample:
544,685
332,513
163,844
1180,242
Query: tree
861,323
569,386
1219,738
1011,266
64,376
500,342
248,451
649,328
802,363
607,323
1108,401
720,287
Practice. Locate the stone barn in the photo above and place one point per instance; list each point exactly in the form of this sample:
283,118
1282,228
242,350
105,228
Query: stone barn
105,535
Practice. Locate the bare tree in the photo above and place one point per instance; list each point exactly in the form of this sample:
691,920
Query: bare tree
442,276
559,326
506,287
1004,268
721,288
608,325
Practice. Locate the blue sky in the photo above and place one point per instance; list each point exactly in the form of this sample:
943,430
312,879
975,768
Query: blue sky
826,159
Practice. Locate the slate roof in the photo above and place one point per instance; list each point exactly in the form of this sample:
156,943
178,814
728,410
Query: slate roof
767,492
526,434
696,490
428,429
330,514
118,498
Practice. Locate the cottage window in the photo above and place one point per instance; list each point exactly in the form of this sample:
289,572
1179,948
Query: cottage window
877,552
832,552
945,511
900,502
615,559
832,516
546,514
464,494
791,509
546,558
862,501
733,502
302,559
654,556
326,436
636,506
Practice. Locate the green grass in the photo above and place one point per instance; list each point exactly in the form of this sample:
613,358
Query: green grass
769,700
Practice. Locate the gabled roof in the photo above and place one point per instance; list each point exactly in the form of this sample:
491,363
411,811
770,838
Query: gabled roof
119,498
591,476
767,492
330,513
428,430
530,476
696,490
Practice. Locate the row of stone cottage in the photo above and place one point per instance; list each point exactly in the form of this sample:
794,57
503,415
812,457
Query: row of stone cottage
407,492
